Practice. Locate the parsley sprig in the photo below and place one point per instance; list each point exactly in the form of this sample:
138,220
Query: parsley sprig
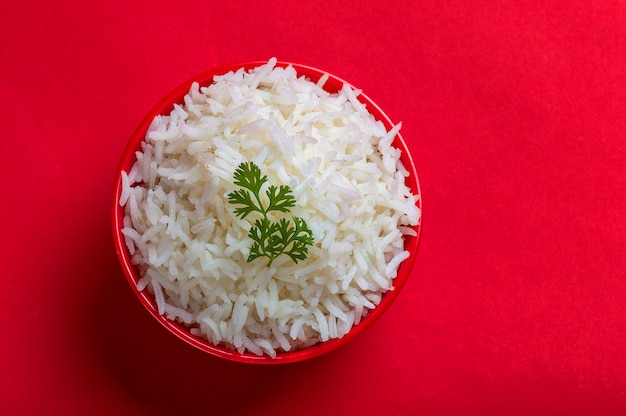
270,239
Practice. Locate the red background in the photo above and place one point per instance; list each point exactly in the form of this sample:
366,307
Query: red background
515,113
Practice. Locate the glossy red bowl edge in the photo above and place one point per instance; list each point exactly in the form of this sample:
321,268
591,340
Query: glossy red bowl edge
333,84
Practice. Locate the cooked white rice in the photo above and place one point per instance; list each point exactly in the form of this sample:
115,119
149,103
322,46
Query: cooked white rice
349,186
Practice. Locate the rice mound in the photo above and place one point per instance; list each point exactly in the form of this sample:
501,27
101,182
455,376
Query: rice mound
349,186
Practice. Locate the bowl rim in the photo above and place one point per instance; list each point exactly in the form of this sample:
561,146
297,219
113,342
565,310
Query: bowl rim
163,107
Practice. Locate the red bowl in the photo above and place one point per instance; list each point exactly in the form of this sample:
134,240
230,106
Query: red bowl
164,107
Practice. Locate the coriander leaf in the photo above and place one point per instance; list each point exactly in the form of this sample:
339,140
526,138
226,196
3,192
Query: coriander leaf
269,239
243,197
260,234
248,175
280,198
302,238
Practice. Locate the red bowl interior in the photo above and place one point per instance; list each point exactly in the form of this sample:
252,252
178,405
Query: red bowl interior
164,107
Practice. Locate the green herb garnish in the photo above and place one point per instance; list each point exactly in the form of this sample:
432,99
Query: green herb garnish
270,239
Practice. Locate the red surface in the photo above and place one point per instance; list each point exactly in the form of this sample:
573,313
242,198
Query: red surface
516,116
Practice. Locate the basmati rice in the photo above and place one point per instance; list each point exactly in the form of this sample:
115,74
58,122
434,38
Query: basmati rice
349,185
